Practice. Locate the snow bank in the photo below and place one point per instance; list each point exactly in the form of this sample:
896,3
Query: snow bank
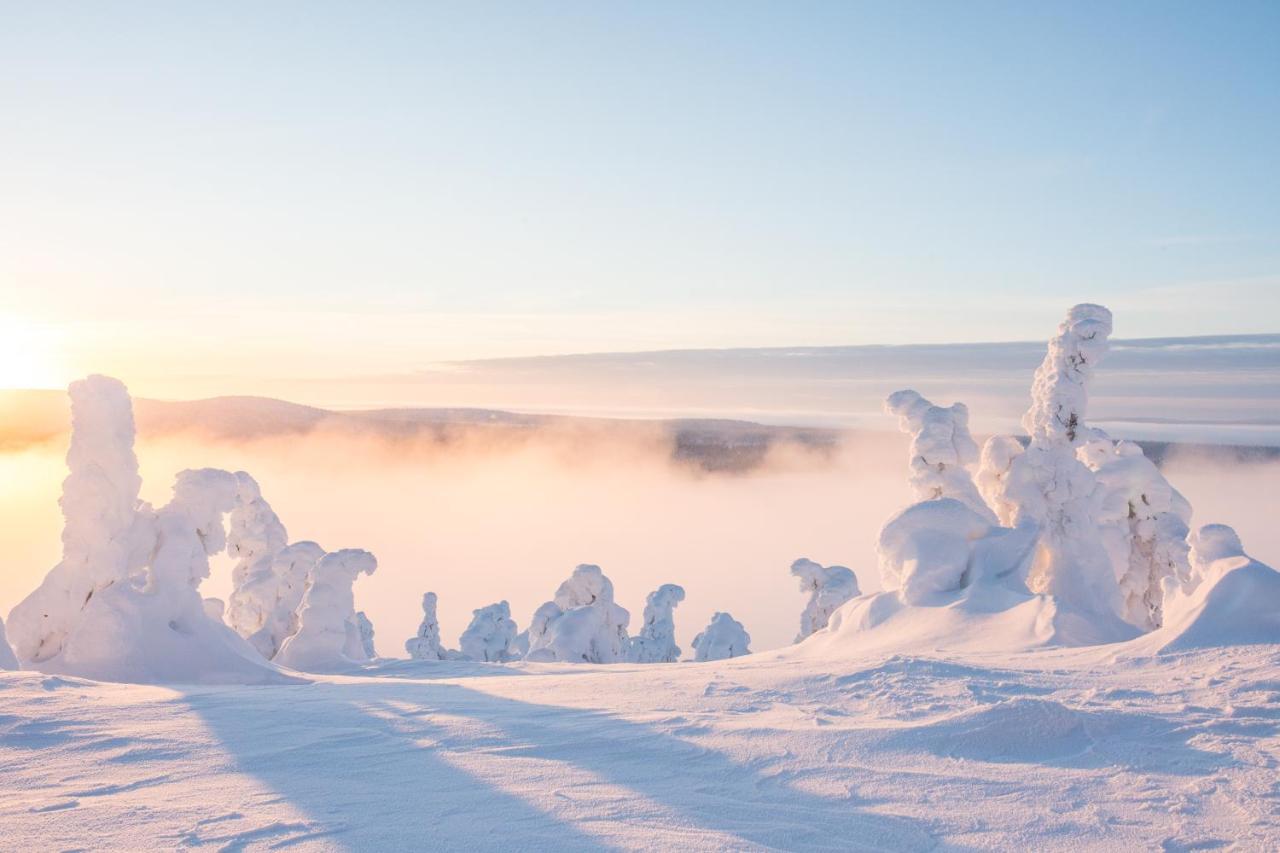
1232,599
828,588
582,624
426,645
328,637
941,449
724,637
491,636
656,642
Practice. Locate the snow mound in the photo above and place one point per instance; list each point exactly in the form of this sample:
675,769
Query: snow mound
1237,601
1022,729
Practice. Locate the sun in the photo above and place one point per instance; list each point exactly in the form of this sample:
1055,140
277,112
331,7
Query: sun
28,356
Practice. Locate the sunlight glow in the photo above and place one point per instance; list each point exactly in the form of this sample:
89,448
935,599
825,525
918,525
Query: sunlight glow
27,356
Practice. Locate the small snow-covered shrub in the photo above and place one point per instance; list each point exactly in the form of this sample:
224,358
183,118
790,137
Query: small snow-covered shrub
724,637
582,624
828,588
656,642
491,635
328,636
426,644
365,627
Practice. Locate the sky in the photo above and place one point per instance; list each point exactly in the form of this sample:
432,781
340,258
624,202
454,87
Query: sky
213,195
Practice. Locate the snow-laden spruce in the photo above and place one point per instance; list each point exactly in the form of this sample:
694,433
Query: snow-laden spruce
582,623
828,587
328,637
656,642
426,644
255,536
724,637
365,626
491,636
942,450
124,603
272,598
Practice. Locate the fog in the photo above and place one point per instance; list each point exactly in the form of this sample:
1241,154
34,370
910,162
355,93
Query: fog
478,520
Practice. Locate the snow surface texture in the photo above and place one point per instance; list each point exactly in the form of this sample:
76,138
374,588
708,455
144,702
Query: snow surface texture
426,645
656,642
328,636
828,588
124,603
491,636
582,624
723,638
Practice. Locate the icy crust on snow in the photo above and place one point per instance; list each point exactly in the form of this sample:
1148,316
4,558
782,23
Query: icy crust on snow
328,636
656,642
723,638
582,623
828,588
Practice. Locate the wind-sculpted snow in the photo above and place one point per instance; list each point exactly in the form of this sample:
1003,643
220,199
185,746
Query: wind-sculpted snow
426,645
942,450
656,642
828,587
328,637
491,636
723,638
582,623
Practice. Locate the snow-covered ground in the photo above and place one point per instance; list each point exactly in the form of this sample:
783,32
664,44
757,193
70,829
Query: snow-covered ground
1049,749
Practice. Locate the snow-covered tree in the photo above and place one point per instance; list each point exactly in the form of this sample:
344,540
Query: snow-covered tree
1144,523
365,627
992,478
828,588
582,624
104,539
426,645
7,658
328,636
1051,488
270,599
724,637
942,450
491,635
656,642
255,536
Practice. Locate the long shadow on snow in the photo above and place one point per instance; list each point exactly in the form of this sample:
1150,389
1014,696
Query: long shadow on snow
381,765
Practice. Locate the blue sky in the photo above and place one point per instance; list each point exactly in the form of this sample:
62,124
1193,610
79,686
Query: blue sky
240,185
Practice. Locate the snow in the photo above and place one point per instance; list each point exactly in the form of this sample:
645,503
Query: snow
365,627
426,644
942,450
828,588
582,624
656,642
328,637
7,658
723,638
491,636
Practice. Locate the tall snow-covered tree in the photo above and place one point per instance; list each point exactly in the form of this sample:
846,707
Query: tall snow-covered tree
942,450
328,636
828,588
426,645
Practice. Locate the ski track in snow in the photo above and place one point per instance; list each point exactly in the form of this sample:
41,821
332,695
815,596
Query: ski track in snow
1050,749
